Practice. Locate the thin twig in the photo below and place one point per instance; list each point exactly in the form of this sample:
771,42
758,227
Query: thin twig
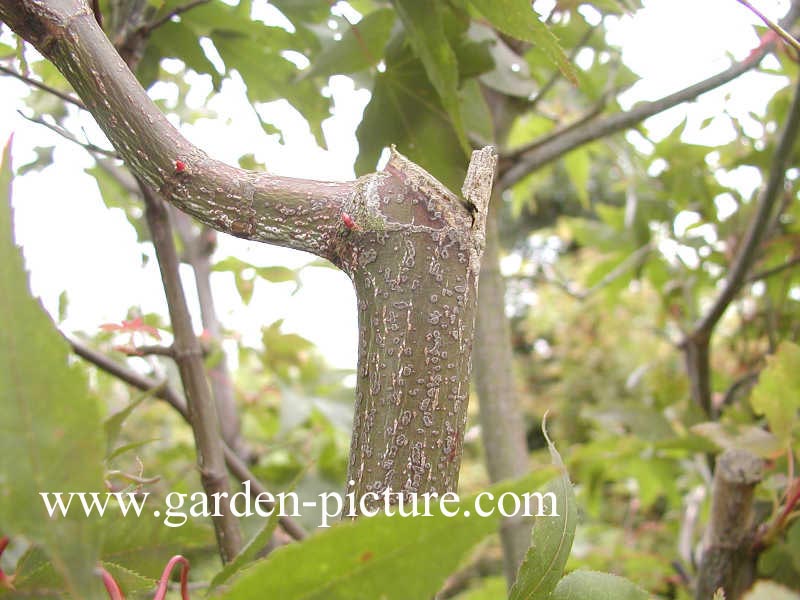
148,28
785,35
633,260
745,380
147,350
43,86
188,356
764,211
165,392
766,273
560,130
696,343
553,148
68,136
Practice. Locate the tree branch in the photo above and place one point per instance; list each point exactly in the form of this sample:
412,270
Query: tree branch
166,393
764,211
43,86
294,213
767,273
198,246
728,561
188,356
148,28
785,35
556,147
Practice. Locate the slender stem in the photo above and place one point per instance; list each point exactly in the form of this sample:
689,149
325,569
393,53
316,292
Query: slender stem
43,86
766,273
764,211
148,28
696,344
295,213
189,357
554,148
168,394
198,246
785,35
148,350
88,146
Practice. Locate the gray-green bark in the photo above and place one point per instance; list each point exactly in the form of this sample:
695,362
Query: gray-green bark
415,267
502,427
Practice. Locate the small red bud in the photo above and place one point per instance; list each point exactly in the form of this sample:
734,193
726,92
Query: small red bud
348,221
180,166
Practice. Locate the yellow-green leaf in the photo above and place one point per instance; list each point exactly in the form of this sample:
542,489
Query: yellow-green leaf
581,585
777,395
379,557
551,540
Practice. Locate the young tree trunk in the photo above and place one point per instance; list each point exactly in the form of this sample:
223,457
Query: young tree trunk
502,427
411,247
415,269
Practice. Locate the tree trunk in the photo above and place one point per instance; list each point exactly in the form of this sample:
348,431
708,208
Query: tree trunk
501,420
416,279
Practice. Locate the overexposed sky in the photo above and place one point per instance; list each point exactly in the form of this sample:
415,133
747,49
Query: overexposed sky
72,242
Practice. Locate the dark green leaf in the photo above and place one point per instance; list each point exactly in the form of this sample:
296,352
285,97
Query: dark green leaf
405,110
426,31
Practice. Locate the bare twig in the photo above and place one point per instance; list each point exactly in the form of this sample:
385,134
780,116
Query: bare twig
43,86
147,350
68,136
745,380
188,355
165,392
766,273
764,211
696,343
633,260
560,130
785,35
148,28
198,247
553,148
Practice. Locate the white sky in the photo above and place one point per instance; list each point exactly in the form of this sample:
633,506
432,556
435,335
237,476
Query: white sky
72,242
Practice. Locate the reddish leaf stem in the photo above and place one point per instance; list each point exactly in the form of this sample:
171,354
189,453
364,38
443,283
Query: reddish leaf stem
112,587
163,583
5,581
